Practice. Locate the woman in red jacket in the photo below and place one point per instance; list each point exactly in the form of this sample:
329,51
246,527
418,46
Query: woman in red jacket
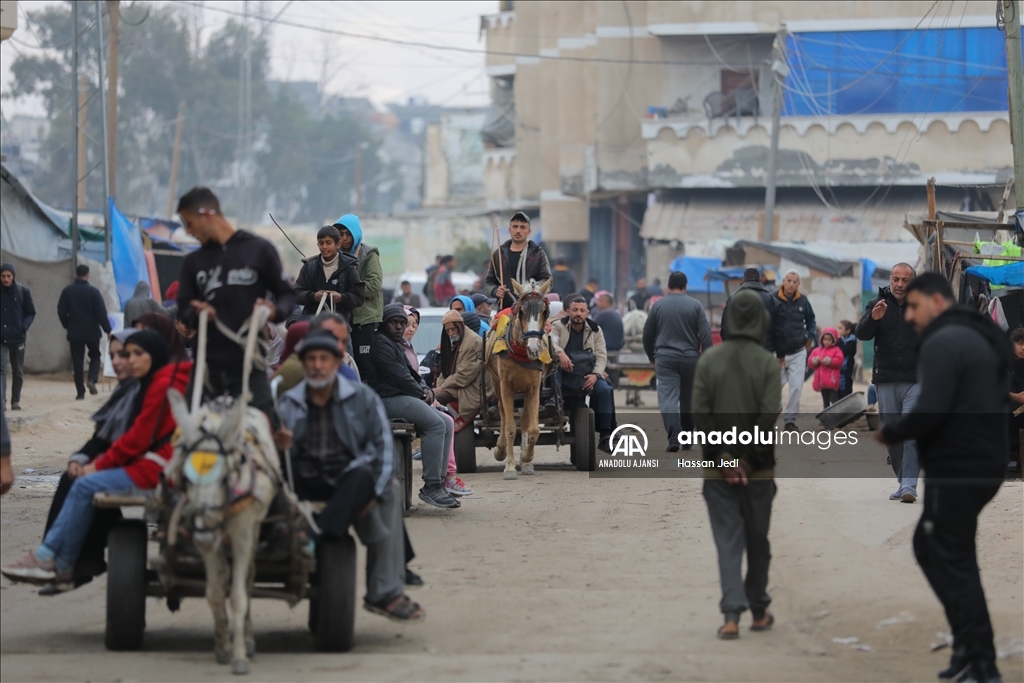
133,462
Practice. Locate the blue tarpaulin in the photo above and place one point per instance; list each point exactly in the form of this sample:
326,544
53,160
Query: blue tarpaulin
1011,275
696,268
127,254
736,273
867,269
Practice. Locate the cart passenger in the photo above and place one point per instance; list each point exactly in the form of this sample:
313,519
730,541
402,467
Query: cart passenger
461,368
134,462
341,448
582,359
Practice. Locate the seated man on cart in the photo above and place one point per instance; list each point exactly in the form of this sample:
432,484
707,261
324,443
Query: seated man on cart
341,450
461,372
582,359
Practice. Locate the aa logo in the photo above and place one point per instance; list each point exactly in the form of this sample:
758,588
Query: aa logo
628,441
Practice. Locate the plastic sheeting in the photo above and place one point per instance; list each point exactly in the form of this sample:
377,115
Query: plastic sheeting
127,253
896,72
1011,275
696,270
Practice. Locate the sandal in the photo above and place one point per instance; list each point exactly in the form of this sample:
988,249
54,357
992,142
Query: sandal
401,609
768,620
731,634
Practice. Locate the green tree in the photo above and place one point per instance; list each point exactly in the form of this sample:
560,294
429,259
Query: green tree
473,256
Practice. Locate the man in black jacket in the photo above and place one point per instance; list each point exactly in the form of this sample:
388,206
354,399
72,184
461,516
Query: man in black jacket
83,314
563,281
959,422
406,396
518,258
795,332
16,315
752,282
331,274
895,371
232,274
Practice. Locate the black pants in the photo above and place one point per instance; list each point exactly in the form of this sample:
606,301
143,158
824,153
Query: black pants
78,363
345,499
230,383
829,396
362,347
91,561
944,545
12,355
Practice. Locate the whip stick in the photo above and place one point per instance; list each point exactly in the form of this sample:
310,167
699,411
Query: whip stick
286,235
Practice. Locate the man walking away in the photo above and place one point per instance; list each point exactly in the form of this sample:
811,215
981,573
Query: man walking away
895,370
140,304
795,332
959,422
406,297
16,315
737,386
752,283
232,274
331,274
610,322
675,334
367,317
84,315
444,288
563,282
519,258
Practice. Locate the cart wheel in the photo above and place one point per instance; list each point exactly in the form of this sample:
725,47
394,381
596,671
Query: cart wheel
465,450
126,586
335,597
581,451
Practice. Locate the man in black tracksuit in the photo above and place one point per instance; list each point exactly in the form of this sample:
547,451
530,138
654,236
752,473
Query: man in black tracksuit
231,274
83,314
752,282
960,423
333,274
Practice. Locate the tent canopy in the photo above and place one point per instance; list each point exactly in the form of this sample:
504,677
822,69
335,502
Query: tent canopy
1011,275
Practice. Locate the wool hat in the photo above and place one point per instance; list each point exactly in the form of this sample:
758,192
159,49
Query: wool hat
451,317
392,311
321,340
471,320
7,267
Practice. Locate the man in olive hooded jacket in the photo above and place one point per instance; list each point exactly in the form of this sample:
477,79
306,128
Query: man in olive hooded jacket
737,385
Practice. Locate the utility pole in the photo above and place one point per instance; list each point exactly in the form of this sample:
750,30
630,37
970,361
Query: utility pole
779,73
1011,27
172,183
359,178
106,145
80,148
112,60
77,85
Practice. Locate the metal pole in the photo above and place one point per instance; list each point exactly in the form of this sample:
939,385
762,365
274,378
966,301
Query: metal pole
779,71
1011,19
172,183
76,166
112,71
106,159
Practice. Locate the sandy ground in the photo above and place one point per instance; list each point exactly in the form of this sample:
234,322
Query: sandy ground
555,577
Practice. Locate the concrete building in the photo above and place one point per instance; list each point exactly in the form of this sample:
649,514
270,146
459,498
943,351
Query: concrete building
642,129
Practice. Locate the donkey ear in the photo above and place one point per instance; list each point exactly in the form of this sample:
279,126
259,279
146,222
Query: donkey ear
180,412
516,287
546,287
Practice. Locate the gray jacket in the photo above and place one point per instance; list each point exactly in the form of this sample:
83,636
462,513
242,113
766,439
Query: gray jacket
361,424
676,328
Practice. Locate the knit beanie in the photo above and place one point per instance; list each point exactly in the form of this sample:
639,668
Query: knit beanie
392,311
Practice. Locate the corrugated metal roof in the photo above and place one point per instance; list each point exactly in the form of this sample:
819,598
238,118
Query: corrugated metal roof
701,218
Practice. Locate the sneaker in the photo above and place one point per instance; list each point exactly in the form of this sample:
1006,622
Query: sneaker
605,446
672,448
92,388
435,495
958,664
980,672
908,496
456,487
80,397
790,427
31,569
417,454
15,406
896,494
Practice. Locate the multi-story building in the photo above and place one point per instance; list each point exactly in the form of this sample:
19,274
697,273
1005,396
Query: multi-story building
641,130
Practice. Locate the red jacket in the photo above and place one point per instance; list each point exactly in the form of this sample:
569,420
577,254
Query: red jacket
444,288
130,451
827,376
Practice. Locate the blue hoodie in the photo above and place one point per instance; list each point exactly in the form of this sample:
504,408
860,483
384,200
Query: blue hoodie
471,308
350,222
372,310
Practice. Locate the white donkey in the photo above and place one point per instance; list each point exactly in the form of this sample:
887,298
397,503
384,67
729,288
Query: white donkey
226,467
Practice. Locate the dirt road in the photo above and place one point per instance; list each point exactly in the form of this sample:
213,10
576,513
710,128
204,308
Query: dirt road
554,577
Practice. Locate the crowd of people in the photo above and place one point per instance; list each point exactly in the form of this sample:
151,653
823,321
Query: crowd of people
341,367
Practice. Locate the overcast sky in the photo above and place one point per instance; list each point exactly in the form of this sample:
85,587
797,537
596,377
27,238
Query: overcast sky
385,72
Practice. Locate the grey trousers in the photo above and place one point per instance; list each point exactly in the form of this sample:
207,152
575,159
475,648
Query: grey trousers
895,399
435,431
793,374
739,521
13,355
675,393
381,532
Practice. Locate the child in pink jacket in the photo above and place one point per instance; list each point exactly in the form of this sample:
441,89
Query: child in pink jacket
827,363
